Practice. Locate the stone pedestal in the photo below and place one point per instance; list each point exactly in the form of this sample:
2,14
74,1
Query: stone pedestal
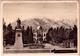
18,39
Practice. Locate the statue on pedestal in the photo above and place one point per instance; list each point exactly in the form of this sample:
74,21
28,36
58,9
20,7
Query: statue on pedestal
18,35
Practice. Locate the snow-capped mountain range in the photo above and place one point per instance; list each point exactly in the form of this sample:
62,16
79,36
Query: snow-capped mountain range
45,23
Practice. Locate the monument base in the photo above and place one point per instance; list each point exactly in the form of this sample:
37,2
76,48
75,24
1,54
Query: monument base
18,40
18,44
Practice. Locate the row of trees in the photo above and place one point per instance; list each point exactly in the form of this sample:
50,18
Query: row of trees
27,35
62,35
56,35
8,34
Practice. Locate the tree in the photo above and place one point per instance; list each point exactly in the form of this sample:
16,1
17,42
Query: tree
9,37
27,35
30,35
49,35
4,27
54,35
23,34
60,34
9,27
75,35
4,34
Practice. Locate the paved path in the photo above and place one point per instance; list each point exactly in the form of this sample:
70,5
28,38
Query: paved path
47,49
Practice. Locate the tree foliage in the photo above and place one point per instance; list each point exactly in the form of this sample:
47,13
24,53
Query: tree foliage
61,35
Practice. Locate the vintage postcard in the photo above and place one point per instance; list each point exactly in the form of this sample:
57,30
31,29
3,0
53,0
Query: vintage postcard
40,27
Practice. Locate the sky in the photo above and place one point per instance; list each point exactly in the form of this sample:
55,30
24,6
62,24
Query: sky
55,11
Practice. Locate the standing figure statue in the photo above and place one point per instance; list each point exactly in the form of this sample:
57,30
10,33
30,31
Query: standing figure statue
18,23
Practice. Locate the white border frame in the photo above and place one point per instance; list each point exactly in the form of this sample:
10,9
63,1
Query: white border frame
40,2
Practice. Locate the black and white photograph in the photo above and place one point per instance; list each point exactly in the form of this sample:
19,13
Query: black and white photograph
40,27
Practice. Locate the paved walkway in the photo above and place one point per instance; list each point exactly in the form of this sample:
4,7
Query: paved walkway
47,49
